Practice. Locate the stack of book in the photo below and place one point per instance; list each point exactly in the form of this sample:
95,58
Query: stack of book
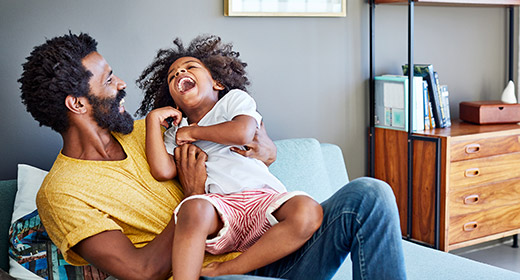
438,95
429,105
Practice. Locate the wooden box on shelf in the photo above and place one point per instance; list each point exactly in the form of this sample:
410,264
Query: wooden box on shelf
489,112
480,181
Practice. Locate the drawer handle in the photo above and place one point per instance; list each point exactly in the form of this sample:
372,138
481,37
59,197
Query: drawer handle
471,199
472,148
472,172
471,226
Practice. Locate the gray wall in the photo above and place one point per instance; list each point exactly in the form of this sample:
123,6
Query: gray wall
309,74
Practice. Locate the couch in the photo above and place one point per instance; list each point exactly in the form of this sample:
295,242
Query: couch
319,169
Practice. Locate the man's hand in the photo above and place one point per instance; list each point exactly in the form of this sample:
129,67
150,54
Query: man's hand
211,270
261,148
191,168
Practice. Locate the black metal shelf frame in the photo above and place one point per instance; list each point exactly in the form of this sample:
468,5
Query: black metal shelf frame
411,136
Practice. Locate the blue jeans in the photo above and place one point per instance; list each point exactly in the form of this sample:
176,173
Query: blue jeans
361,218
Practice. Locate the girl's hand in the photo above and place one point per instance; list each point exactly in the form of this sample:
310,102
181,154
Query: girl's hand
184,134
161,114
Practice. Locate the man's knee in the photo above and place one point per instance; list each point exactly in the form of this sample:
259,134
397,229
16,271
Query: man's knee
377,185
379,197
364,193
372,189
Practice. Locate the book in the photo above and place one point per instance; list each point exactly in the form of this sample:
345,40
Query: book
446,104
391,102
426,106
441,101
426,71
430,113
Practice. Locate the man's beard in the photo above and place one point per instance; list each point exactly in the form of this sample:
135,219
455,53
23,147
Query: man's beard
107,115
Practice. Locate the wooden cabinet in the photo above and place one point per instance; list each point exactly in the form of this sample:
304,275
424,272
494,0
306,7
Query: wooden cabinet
455,186
479,181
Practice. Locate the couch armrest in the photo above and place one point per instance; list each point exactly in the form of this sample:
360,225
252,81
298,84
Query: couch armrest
335,165
5,276
8,190
305,164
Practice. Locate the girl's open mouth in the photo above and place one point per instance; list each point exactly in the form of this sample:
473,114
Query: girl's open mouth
185,84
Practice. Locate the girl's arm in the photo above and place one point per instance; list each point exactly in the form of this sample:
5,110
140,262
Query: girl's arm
162,164
262,147
239,131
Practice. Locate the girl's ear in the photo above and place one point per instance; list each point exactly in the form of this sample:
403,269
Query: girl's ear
75,104
218,86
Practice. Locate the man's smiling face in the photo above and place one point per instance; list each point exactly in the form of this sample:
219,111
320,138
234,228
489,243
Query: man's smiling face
106,95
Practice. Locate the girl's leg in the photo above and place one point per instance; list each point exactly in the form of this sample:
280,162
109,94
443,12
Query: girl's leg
362,219
196,220
298,219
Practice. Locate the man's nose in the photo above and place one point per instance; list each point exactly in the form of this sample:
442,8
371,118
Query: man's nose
120,84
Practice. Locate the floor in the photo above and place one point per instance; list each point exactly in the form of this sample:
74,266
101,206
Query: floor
498,253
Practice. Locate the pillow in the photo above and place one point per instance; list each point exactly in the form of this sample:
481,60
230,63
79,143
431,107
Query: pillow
32,253
29,181
300,166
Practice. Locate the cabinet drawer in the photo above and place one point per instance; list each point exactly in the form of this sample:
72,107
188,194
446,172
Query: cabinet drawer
473,172
485,197
483,223
484,147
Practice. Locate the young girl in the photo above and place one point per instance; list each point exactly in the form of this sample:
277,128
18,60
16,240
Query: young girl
245,207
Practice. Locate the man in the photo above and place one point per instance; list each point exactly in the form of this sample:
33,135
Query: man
100,204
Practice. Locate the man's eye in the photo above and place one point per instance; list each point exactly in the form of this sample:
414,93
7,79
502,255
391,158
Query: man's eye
109,80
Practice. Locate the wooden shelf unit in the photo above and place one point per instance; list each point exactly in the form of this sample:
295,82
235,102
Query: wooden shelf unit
479,181
424,171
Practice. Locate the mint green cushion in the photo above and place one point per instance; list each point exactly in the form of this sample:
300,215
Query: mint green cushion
7,193
335,165
300,166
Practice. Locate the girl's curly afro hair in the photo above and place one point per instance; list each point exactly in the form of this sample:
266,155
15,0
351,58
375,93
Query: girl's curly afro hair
222,62
52,71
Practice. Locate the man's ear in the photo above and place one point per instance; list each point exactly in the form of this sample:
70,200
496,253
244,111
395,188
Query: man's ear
76,104
218,86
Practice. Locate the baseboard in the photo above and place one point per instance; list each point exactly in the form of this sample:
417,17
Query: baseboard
483,246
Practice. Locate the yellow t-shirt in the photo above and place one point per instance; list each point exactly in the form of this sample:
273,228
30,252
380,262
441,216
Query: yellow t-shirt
81,198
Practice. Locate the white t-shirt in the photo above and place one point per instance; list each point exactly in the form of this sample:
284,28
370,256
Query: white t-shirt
229,172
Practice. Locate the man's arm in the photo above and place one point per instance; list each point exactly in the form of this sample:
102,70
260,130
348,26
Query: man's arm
261,148
113,253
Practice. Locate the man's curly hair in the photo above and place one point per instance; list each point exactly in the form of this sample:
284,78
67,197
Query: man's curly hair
53,71
222,62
